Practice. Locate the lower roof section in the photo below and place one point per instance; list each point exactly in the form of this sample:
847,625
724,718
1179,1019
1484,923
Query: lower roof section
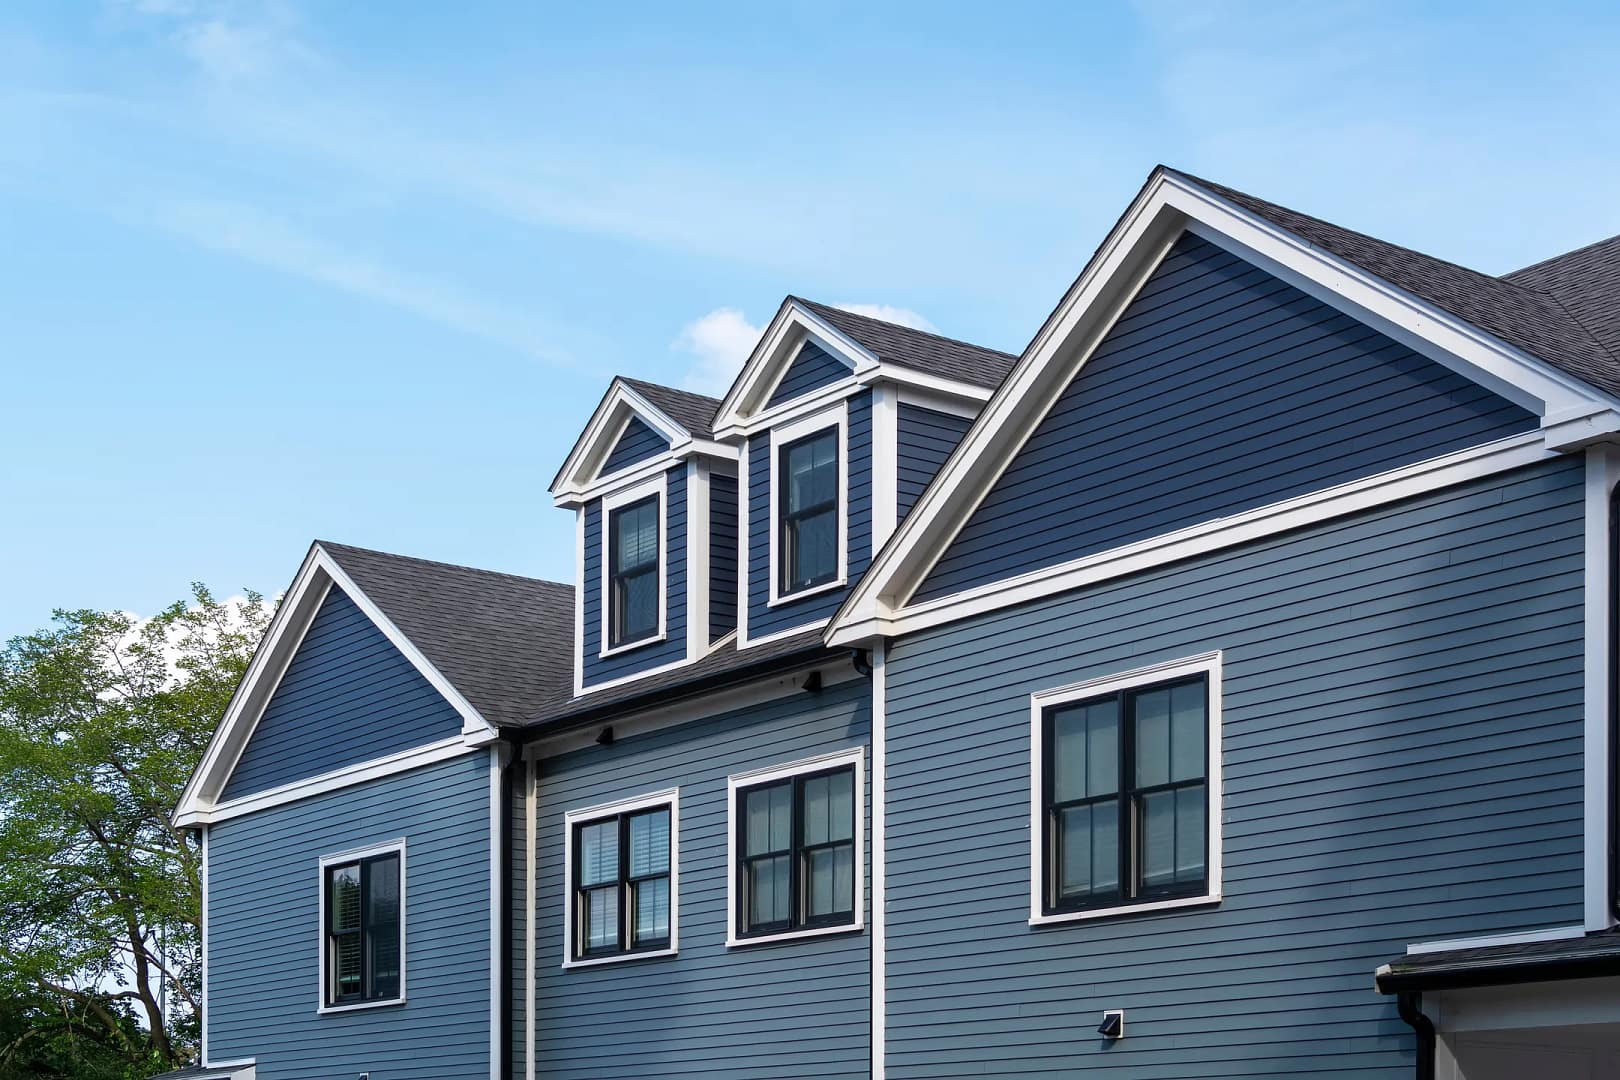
1595,954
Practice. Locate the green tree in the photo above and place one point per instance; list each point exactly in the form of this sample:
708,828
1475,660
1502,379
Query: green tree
102,719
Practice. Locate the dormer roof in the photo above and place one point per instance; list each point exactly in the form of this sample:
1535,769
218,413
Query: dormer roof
680,418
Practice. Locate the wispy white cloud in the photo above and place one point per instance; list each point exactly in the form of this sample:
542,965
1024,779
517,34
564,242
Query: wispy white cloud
230,41
718,342
248,233
889,313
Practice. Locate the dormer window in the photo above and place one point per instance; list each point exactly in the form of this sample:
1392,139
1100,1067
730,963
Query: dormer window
809,540
808,505
633,604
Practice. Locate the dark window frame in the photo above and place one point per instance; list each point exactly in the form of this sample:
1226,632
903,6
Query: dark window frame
786,546
799,853
624,883
365,932
1127,797
618,636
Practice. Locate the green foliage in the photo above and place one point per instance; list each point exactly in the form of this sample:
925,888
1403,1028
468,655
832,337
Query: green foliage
102,719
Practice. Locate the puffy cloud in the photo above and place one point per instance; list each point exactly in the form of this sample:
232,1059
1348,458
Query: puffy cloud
719,342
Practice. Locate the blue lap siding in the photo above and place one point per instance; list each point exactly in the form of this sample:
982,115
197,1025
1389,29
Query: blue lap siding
723,546
347,696
264,927
1403,763
1213,362
637,443
813,368
762,618
796,1008
597,668
926,438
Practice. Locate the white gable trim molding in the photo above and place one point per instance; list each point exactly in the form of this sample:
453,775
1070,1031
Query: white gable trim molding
743,411
579,481
1573,413
293,618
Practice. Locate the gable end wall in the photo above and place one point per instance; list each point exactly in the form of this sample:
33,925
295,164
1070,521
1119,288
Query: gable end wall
1220,389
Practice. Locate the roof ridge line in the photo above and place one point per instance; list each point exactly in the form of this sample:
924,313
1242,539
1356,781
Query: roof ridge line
1552,259
327,545
902,326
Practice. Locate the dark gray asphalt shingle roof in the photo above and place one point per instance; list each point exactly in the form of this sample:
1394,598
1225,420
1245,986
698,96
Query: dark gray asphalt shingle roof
694,412
504,641
1525,317
1586,282
507,642
1593,954
918,350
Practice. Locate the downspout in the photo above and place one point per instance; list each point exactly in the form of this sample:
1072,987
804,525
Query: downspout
508,776
1409,1004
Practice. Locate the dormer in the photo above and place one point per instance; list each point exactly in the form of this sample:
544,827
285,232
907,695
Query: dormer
655,503
840,421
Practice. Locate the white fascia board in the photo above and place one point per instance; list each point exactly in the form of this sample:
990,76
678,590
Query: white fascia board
579,472
742,410
860,625
319,572
1161,211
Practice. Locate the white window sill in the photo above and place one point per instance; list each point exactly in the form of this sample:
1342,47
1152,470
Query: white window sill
598,961
794,935
359,1005
794,597
631,646
1206,900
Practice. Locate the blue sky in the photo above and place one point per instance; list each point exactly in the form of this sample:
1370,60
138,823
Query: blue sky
276,271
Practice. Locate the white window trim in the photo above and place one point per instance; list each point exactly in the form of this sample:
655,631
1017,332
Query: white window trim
670,797
837,416
657,486
739,782
337,858
1206,664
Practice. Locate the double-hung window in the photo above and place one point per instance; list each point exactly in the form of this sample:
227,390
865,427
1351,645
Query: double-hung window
797,843
363,931
1126,771
634,581
807,511
622,879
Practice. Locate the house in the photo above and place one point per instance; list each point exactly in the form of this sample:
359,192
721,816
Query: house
1224,686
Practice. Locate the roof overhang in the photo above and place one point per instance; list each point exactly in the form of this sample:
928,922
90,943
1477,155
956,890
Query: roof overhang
318,574
1573,413
1592,956
580,477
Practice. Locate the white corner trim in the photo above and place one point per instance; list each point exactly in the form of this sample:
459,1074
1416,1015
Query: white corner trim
873,618
654,487
837,418
880,848
336,859
1526,937
530,846
1165,207
886,399
1602,472
496,902
1206,664
698,566
580,585
667,797
742,781
202,1048
744,571
348,776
